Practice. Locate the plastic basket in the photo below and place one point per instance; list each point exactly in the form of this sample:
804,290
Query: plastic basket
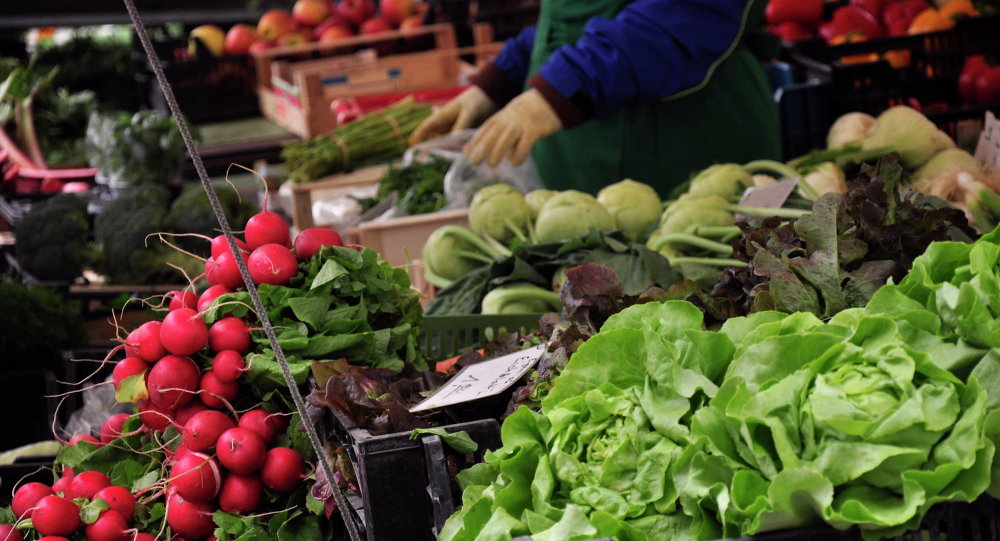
447,336
406,485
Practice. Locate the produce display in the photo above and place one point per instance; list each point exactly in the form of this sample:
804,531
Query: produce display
419,186
864,19
545,233
309,20
144,147
774,421
376,138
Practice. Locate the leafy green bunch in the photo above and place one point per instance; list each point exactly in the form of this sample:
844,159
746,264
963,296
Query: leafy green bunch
660,429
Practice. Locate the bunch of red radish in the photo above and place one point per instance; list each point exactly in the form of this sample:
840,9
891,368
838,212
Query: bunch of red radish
224,460
55,511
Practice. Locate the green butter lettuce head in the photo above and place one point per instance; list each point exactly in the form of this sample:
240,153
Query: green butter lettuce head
904,130
499,211
726,180
570,214
849,429
536,200
634,206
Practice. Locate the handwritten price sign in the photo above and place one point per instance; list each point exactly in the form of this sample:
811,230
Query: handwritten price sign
988,149
484,379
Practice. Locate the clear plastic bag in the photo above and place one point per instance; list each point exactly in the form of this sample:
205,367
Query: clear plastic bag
98,404
464,179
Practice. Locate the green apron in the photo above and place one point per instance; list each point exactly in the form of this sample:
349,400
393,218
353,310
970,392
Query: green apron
732,118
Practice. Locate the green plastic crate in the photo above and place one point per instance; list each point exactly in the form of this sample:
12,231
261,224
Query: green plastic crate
447,336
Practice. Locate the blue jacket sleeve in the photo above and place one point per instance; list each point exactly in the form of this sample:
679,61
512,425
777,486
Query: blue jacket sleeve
504,78
653,49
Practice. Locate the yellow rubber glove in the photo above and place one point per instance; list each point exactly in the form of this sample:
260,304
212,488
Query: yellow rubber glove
467,110
514,130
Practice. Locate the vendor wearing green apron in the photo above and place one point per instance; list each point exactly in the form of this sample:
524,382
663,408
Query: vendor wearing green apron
602,90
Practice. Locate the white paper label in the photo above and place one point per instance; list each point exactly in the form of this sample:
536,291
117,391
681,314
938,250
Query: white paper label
483,379
770,195
988,149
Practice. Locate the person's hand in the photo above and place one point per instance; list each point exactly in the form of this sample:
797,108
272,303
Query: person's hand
514,130
467,110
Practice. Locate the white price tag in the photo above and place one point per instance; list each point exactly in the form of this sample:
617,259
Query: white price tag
483,379
988,149
771,195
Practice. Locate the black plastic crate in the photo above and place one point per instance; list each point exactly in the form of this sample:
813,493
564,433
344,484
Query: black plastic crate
30,469
447,336
407,487
936,61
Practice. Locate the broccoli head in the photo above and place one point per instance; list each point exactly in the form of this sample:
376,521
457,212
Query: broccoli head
53,238
121,228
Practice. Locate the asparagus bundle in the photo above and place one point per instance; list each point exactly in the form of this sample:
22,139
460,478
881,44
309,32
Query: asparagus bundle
375,138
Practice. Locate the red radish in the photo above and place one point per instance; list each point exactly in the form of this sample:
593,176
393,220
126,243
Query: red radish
145,342
196,477
85,484
240,493
212,272
129,366
110,526
279,422
120,500
153,417
267,228
181,451
210,294
144,537
63,483
229,333
221,246
185,413
272,264
173,381
84,437
190,519
240,451
183,331
227,271
282,469
27,496
310,240
54,515
112,427
53,538
182,299
228,365
216,393
201,431
9,533
257,421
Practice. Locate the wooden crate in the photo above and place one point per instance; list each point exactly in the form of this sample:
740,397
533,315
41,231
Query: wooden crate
296,84
304,195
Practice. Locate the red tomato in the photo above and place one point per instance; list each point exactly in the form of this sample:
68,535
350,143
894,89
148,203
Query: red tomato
851,19
789,31
988,86
898,14
874,7
805,12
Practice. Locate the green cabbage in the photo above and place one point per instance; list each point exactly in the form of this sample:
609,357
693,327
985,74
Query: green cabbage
634,206
906,131
570,214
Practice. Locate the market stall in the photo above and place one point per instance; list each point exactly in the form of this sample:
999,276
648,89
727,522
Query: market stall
369,320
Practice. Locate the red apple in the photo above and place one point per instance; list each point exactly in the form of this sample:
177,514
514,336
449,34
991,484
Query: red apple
310,12
356,11
375,26
259,45
293,38
412,22
335,33
330,22
274,24
239,38
394,11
